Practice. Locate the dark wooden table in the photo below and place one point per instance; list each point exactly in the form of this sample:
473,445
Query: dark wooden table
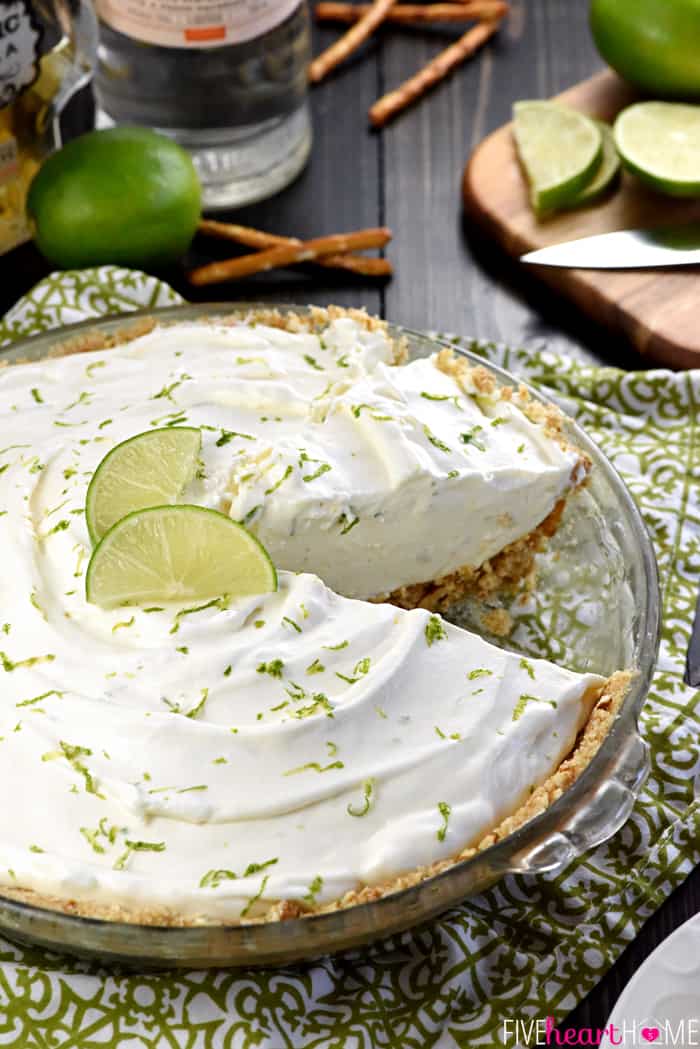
447,276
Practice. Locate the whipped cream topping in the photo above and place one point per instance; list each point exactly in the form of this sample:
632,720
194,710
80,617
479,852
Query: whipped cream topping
214,757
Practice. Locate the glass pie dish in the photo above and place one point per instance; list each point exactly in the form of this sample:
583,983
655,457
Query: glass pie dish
596,608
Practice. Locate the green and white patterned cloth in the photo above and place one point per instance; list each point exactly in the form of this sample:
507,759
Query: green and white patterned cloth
530,947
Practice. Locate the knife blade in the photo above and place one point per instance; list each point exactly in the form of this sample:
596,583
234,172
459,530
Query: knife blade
624,249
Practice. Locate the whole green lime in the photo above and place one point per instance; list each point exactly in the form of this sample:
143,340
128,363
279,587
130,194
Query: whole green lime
653,44
125,195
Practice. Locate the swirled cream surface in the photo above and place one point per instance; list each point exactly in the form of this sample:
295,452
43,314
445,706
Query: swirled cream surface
212,757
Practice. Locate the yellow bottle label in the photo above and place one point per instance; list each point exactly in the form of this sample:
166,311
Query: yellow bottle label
20,37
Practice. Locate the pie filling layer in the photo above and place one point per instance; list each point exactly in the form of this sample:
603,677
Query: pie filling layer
207,760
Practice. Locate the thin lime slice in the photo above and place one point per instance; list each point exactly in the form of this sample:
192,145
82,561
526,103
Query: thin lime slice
560,150
149,469
607,173
173,553
660,143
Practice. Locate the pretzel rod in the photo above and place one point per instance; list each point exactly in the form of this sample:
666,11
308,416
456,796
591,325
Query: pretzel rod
349,41
289,255
385,108
414,14
255,238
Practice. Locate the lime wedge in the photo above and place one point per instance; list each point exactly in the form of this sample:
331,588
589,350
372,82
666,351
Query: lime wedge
174,553
560,150
149,469
660,143
607,173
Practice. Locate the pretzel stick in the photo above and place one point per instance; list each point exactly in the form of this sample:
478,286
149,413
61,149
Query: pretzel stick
255,238
389,105
288,255
414,14
349,42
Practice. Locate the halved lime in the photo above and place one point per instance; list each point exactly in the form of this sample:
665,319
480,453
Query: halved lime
660,143
560,150
174,553
607,173
146,470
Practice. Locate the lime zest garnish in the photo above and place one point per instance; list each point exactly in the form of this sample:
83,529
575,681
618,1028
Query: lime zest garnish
283,478
213,878
528,667
314,766
479,672
349,523
8,665
470,437
274,668
38,699
254,899
523,701
314,889
435,630
367,798
137,846
435,441
445,811
228,435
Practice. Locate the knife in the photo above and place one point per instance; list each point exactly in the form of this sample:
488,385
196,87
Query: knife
624,249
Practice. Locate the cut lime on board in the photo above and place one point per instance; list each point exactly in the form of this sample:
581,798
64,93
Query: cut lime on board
607,173
177,553
660,143
560,150
146,470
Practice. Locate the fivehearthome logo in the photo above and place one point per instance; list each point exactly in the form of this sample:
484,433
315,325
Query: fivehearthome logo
632,1034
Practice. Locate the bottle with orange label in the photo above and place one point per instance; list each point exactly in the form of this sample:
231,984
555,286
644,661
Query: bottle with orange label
225,78
47,52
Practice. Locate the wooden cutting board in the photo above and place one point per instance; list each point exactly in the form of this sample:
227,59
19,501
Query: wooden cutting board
658,310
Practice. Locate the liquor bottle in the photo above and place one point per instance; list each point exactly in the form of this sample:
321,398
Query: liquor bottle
47,52
225,78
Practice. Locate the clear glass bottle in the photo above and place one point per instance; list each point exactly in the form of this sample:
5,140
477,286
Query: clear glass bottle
47,52
225,78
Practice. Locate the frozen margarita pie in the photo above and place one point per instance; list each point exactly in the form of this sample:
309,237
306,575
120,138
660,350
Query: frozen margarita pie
303,749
